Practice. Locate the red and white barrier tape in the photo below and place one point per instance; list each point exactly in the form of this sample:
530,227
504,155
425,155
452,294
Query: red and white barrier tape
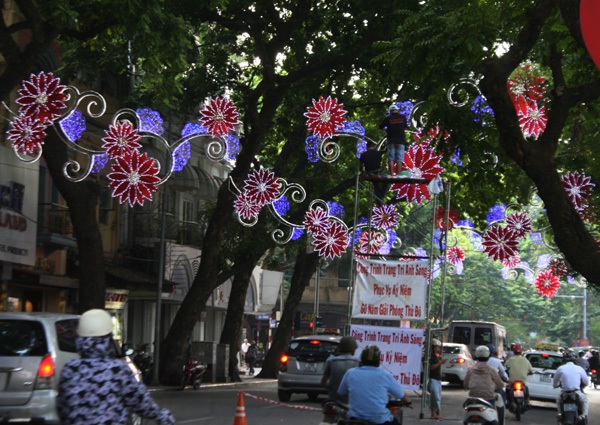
268,400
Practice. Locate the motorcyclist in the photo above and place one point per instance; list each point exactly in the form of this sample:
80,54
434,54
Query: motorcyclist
594,361
368,386
570,377
482,380
336,367
99,388
582,361
518,368
495,363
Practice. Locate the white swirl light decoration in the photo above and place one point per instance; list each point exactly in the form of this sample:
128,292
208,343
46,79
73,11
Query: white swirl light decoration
460,89
329,150
417,118
297,194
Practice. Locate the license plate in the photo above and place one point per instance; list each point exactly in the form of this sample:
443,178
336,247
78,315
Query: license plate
310,367
518,394
570,407
545,378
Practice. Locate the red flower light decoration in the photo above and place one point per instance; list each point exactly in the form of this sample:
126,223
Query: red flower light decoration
422,163
245,208
455,255
527,92
525,84
385,217
500,243
558,268
512,261
332,242
120,139
520,223
219,116
316,220
370,243
27,135
547,284
324,116
262,187
42,97
134,177
532,119
441,217
579,187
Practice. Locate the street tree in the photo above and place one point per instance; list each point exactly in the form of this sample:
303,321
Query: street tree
491,43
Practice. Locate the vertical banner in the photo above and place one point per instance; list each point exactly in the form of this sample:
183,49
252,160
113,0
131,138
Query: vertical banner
401,351
390,290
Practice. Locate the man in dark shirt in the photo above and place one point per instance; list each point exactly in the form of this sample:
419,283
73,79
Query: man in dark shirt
370,161
395,125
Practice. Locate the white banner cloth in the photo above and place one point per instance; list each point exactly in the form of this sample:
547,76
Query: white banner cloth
401,351
390,290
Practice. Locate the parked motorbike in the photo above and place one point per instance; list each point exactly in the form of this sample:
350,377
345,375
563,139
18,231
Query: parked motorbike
480,411
516,399
570,409
143,360
336,412
192,373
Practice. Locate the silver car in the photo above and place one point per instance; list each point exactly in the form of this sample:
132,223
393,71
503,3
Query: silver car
34,347
301,366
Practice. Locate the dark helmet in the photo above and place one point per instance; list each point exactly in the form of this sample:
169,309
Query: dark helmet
371,355
492,348
482,353
517,348
347,345
569,356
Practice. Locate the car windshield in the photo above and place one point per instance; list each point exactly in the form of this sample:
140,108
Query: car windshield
22,338
545,361
312,348
451,350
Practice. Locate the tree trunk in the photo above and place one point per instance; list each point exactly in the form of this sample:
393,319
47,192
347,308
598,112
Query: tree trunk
82,199
304,268
232,329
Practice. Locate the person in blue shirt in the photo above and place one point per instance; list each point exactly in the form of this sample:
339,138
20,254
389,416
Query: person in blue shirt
368,388
571,377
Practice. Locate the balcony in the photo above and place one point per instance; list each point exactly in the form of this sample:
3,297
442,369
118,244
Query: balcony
55,227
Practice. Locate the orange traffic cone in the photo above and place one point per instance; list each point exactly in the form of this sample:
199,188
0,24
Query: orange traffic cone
240,411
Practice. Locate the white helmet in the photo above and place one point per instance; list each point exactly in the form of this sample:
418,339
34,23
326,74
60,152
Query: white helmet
95,322
482,353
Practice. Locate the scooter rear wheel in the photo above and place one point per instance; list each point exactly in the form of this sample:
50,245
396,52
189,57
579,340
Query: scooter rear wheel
183,383
197,383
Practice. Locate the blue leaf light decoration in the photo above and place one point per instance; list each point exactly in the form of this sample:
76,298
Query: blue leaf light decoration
150,121
73,125
312,148
495,213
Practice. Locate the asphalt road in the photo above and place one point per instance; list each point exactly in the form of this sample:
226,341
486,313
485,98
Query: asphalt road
215,404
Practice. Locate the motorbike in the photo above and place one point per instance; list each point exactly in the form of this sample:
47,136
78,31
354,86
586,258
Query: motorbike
336,412
143,360
570,409
193,370
516,398
481,412
594,379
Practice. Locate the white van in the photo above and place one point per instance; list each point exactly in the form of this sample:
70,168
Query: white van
475,333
